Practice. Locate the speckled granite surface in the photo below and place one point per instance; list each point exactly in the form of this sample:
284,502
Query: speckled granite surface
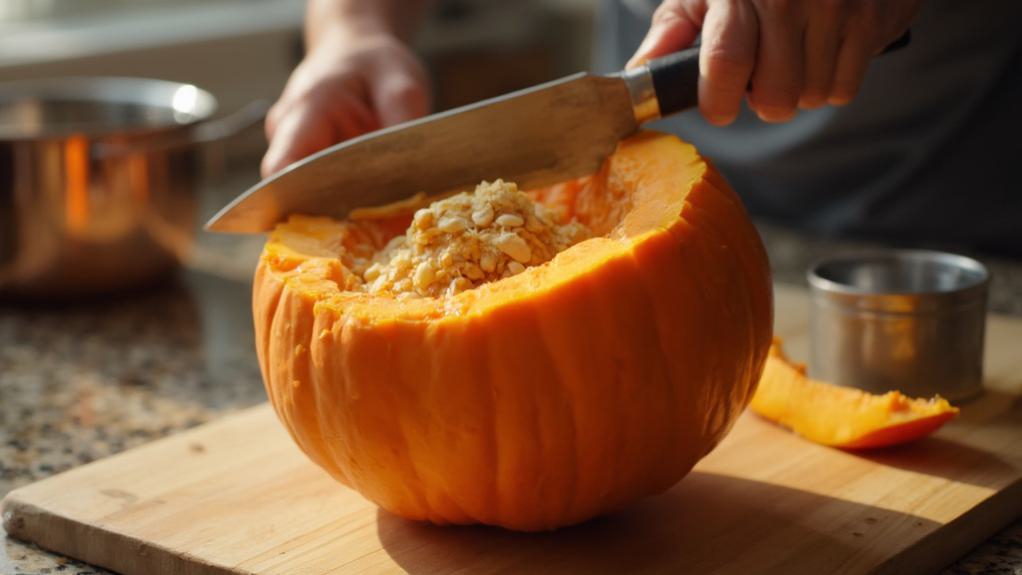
81,382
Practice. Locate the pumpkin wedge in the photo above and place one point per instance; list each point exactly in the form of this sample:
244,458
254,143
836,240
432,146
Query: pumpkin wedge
540,399
842,416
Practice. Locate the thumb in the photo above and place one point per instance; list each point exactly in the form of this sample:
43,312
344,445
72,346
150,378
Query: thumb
399,95
673,28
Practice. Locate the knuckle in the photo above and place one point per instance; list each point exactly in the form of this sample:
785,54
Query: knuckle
406,93
272,118
719,106
667,12
724,65
815,91
407,90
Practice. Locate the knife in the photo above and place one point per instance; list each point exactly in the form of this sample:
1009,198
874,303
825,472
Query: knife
534,137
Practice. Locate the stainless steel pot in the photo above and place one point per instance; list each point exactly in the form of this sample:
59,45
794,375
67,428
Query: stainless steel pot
99,180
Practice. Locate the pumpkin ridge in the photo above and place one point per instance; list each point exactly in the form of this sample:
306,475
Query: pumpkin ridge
744,255
570,405
491,433
546,452
335,441
672,396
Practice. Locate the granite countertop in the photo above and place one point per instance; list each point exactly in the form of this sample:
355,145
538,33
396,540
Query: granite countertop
81,382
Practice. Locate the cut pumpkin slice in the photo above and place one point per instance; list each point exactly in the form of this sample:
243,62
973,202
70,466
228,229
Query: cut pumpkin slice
842,416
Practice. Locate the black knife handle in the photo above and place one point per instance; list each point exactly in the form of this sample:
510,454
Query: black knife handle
676,81
676,76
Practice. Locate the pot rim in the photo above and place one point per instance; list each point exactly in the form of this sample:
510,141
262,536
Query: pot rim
188,104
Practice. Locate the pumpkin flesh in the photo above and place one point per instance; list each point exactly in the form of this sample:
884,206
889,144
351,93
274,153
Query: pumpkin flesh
842,416
542,399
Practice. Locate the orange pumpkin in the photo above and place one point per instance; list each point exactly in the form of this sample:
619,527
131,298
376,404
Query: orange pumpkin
842,416
542,399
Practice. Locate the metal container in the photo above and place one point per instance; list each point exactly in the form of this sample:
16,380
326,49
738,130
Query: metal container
908,320
99,180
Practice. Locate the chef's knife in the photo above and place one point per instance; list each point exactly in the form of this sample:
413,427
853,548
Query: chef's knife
534,137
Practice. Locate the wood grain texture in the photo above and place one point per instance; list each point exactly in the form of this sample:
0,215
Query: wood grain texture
236,496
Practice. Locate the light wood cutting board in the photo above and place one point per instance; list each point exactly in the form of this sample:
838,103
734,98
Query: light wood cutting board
236,496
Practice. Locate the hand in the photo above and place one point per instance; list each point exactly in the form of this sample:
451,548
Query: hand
794,53
349,84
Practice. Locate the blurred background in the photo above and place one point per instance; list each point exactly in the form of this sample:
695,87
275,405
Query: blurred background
243,51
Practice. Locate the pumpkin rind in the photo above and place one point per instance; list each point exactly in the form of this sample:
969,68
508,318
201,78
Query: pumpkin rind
544,399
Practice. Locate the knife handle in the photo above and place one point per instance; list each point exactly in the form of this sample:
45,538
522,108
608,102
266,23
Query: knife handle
670,84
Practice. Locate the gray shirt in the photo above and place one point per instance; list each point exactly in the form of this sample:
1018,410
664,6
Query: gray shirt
928,152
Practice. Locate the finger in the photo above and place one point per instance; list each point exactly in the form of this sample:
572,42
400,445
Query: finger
852,62
297,135
672,28
351,113
726,59
777,77
821,41
398,96
273,116
297,86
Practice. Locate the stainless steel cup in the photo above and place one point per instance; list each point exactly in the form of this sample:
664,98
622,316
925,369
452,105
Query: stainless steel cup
910,320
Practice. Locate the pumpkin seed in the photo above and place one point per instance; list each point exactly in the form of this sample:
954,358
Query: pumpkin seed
473,272
483,216
373,272
424,274
515,247
510,221
452,224
488,261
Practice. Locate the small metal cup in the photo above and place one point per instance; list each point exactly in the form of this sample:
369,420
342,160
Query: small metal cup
907,320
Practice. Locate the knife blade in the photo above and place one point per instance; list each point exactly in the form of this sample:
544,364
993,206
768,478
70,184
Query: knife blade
534,137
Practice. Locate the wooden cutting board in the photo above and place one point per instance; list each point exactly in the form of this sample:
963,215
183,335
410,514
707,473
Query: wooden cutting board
236,496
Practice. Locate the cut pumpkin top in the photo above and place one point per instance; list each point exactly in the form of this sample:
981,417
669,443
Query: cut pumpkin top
641,191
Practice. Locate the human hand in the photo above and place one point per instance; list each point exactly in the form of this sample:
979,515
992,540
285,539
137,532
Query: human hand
793,53
349,84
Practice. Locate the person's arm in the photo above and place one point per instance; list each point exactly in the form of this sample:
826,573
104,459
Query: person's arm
358,75
794,53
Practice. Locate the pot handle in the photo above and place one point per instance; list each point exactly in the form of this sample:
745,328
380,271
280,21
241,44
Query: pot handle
229,125
202,133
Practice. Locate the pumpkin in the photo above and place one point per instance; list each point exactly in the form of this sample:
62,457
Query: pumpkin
538,400
842,416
